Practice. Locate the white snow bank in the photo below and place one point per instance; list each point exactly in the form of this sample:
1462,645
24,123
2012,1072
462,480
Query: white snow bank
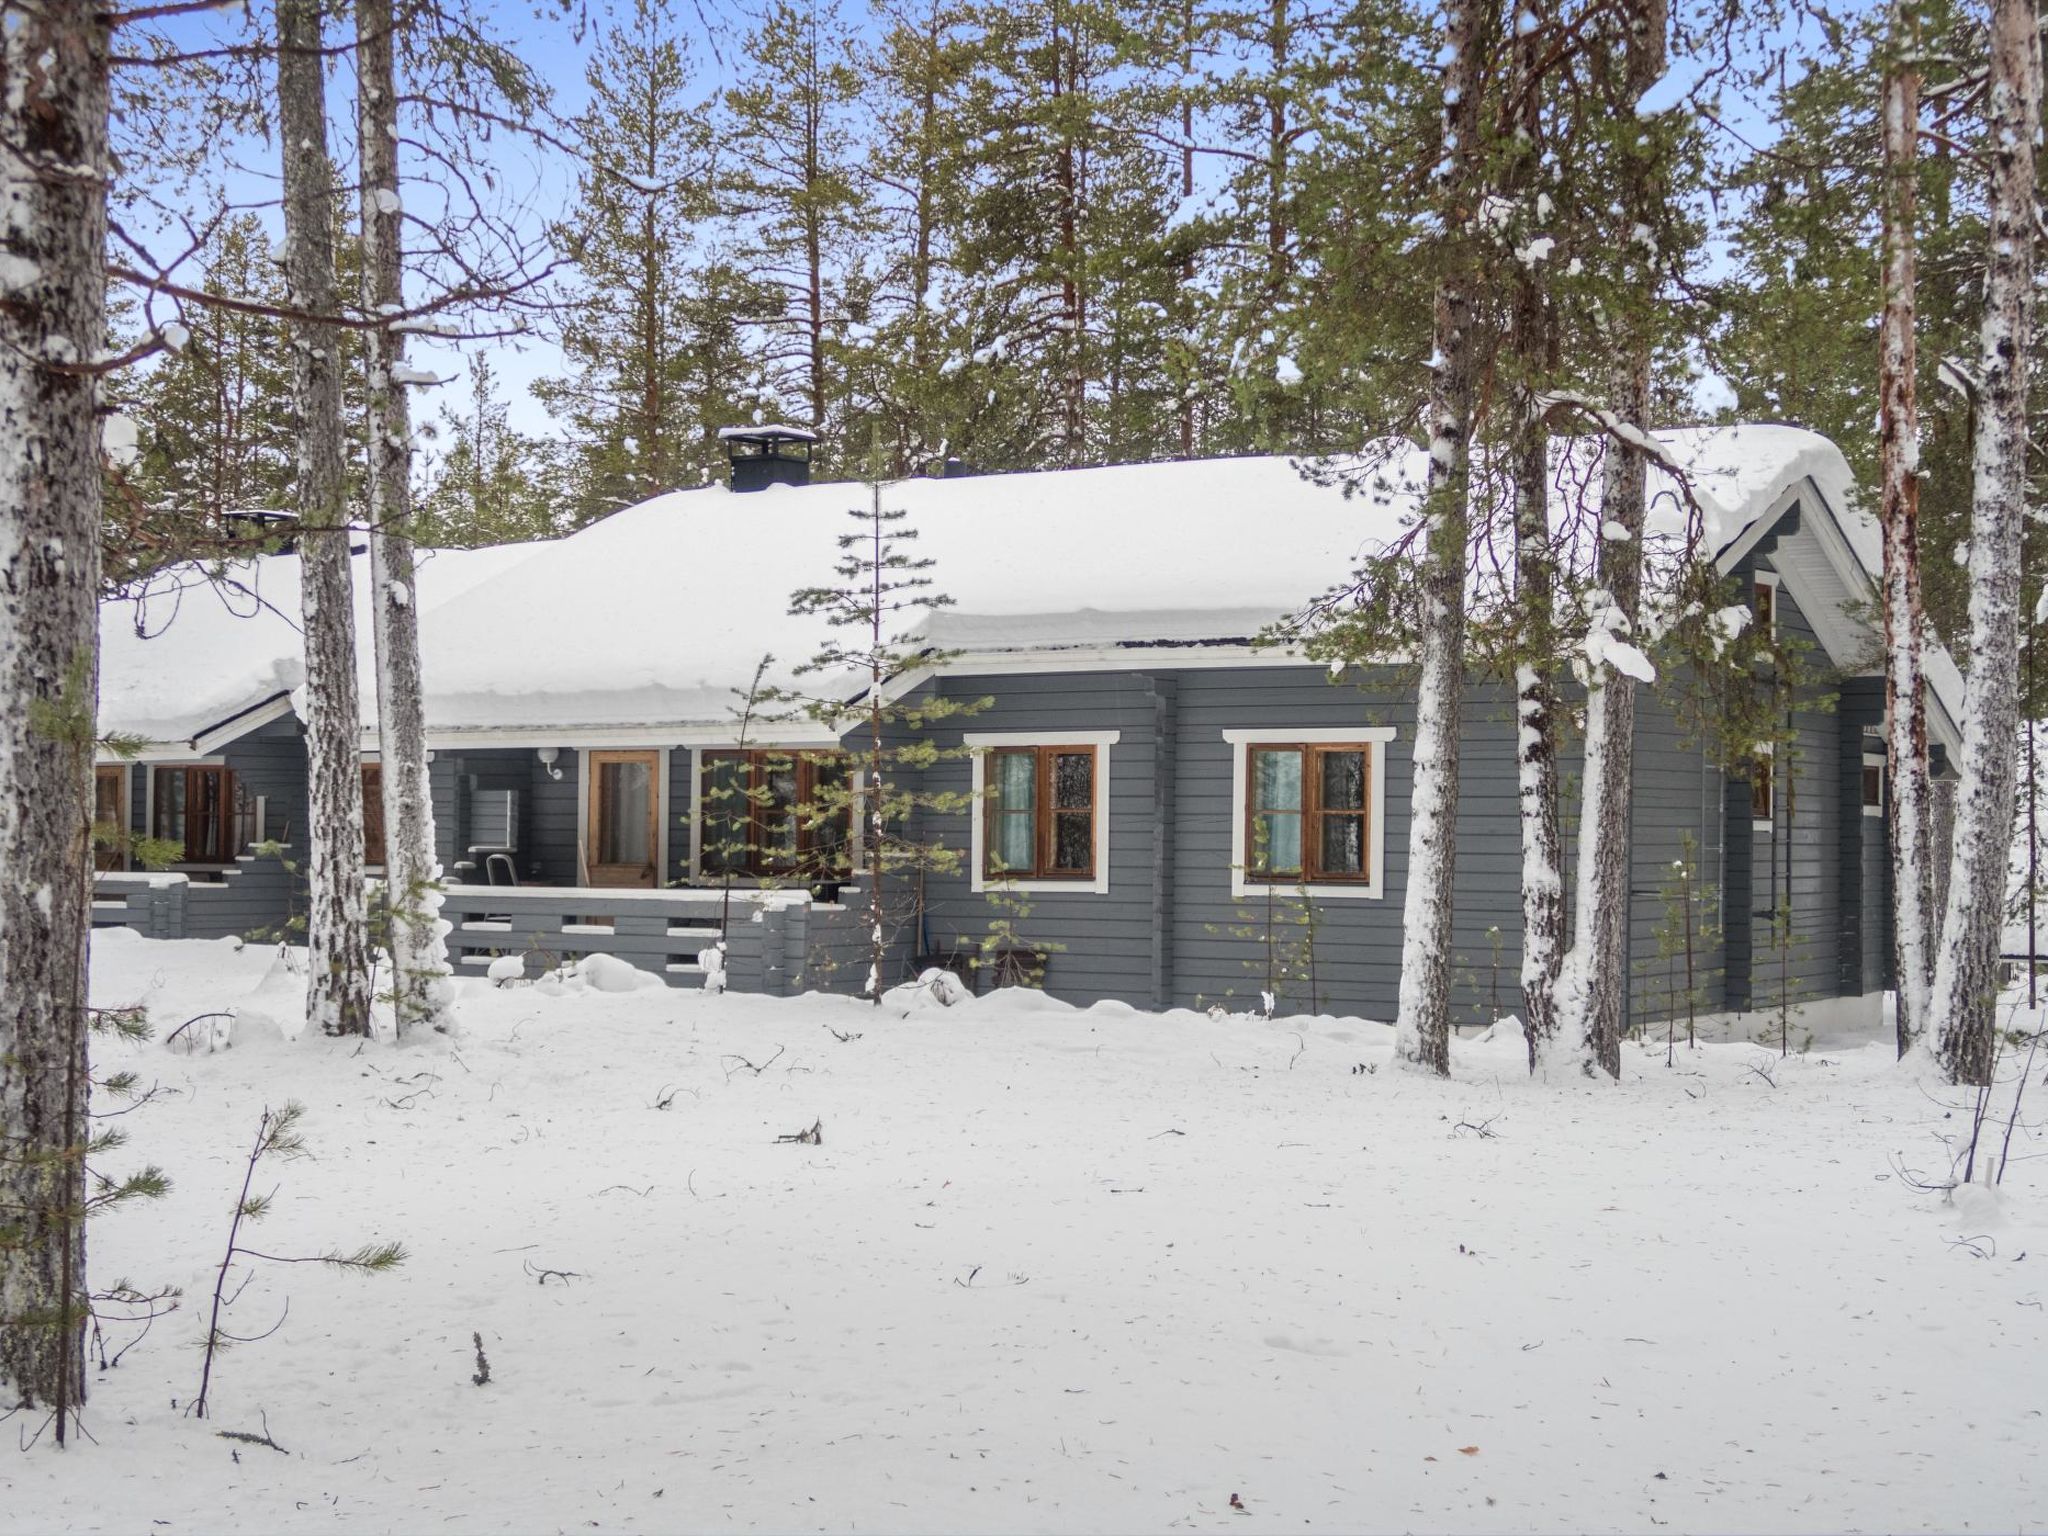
1062,1271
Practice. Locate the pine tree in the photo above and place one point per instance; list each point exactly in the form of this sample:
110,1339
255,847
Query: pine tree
214,412
792,186
54,166
421,987
1910,826
1423,1020
645,336
491,484
1965,978
338,991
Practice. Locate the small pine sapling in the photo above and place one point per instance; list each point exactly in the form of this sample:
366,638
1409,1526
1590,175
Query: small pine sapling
277,1136
880,586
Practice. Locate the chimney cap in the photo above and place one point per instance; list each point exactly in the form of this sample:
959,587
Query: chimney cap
767,434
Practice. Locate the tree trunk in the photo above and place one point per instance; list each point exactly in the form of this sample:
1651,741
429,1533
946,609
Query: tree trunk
1911,819
1966,969
1596,990
419,959
338,991
1536,704
1423,1022
53,165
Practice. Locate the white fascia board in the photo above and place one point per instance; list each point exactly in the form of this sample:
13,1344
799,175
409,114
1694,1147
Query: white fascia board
1377,737
615,737
235,727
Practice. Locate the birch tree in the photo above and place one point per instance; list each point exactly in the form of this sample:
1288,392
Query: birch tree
420,978
1911,823
1423,1022
54,167
338,992
1965,976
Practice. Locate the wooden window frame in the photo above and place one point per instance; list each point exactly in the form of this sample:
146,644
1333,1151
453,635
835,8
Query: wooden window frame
1045,816
1376,741
1311,813
1873,763
1763,790
981,745
375,849
221,848
610,876
1763,602
755,861
116,857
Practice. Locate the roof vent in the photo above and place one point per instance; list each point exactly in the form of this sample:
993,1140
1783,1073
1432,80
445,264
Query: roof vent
765,456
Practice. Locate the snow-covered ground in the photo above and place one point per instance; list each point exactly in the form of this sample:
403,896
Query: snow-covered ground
1051,1270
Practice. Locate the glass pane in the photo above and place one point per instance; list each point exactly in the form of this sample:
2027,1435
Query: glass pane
775,809
1279,837
625,794
1276,780
826,817
1073,780
205,817
724,811
170,804
1010,841
1343,845
1015,781
1073,840
1343,781
106,795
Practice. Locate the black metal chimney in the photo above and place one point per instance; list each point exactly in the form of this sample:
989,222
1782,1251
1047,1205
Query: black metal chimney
765,456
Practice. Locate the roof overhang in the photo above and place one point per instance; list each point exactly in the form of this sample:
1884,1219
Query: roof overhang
1838,594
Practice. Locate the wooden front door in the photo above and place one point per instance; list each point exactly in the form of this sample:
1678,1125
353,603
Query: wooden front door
109,816
621,827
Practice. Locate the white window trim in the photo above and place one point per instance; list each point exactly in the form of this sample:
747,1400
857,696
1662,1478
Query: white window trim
1875,760
978,744
1377,737
664,875
1763,578
693,873
1768,751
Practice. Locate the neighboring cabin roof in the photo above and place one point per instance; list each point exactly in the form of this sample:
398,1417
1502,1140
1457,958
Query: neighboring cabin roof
657,616
215,650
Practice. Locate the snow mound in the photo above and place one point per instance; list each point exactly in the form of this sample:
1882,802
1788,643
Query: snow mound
608,973
935,988
275,1009
507,968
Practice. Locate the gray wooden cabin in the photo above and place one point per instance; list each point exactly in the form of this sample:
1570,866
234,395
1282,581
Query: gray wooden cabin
591,834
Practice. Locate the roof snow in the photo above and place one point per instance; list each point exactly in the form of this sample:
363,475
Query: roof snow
196,646
656,617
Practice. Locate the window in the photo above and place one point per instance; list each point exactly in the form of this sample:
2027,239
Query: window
1308,814
1041,810
768,813
1309,809
1039,813
195,809
373,813
1873,784
1764,603
109,816
1763,799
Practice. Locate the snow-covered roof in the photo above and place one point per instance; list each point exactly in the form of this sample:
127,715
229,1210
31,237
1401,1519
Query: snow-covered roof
657,616
198,648
660,613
